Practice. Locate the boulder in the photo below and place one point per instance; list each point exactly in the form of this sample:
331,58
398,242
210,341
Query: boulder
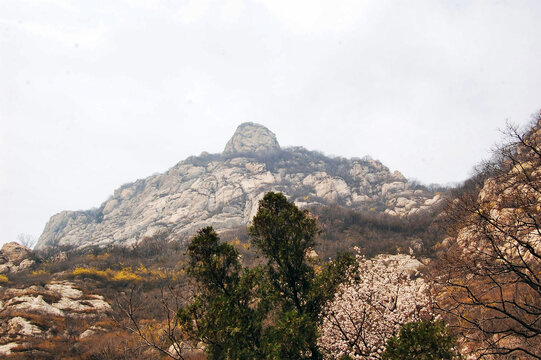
25,264
92,331
5,268
15,252
393,187
6,348
20,326
188,351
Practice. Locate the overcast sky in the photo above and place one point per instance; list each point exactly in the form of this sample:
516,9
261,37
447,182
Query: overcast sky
94,94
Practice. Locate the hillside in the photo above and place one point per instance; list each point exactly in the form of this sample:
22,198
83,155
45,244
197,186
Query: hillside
223,190
72,304
490,263
477,253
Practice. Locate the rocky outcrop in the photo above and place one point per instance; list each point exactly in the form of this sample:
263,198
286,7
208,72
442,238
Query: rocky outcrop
15,257
41,312
15,252
56,298
252,138
223,190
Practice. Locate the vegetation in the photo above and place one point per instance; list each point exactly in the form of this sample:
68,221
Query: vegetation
421,340
376,300
491,285
146,270
277,289
268,311
373,233
27,240
127,273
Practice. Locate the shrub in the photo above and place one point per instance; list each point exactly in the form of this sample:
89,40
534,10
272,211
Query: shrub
92,272
126,274
40,272
421,340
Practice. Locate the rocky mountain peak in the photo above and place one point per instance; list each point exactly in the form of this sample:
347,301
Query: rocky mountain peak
224,191
251,138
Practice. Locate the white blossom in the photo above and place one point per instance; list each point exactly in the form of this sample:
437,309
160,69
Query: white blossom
385,292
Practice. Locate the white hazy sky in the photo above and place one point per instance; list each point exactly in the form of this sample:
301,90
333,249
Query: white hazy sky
94,94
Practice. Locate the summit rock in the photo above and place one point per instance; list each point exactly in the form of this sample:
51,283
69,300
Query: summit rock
252,138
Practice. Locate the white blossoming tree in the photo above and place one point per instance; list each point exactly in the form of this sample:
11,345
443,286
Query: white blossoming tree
385,293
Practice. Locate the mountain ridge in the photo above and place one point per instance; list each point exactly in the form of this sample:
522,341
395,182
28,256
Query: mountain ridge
223,190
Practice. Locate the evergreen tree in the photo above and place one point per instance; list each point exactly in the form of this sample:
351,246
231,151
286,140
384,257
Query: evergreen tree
421,340
266,312
284,235
220,315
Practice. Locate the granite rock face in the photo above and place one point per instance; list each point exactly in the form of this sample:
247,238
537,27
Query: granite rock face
223,190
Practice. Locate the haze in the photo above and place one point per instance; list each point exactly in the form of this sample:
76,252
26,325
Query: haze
97,94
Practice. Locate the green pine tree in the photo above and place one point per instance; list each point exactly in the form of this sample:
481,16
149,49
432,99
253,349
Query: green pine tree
270,311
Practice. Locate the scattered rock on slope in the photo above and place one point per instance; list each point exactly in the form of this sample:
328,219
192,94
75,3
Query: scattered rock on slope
39,313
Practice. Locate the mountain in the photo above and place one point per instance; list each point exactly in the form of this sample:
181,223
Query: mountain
223,190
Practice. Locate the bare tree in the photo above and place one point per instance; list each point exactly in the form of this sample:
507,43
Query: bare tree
491,272
167,339
27,240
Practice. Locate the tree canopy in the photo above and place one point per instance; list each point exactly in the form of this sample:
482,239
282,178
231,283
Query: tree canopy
271,311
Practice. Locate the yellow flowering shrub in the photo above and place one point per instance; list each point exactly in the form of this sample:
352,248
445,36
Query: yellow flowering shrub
92,271
40,272
98,257
126,274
